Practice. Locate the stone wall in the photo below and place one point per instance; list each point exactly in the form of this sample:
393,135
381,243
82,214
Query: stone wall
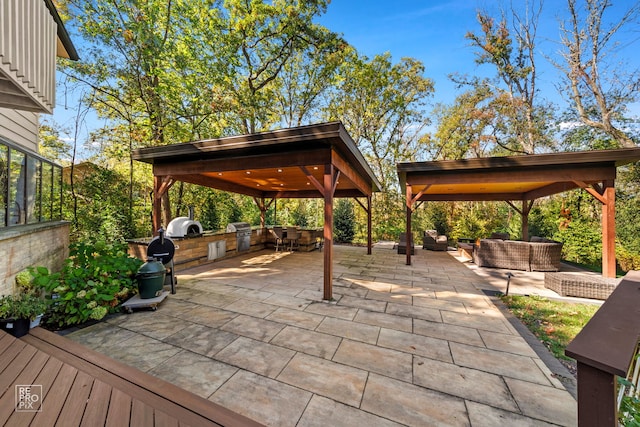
44,244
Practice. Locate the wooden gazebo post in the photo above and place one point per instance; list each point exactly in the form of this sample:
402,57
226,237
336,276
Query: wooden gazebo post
409,204
161,184
329,187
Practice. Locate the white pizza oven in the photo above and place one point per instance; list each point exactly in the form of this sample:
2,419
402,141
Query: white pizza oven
184,226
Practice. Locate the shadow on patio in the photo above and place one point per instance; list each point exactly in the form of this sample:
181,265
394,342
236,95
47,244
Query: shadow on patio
400,345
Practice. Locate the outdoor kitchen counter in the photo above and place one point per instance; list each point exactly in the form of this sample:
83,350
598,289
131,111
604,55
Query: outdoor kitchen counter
194,251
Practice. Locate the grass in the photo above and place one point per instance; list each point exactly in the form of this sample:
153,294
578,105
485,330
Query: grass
555,323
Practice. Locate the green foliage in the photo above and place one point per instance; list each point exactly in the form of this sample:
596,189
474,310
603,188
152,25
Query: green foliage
582,242
626,259
478,220
299,216
95,279
21,306
210,216
629,411
344,222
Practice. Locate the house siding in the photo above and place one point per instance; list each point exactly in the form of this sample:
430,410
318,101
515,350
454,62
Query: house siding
20,127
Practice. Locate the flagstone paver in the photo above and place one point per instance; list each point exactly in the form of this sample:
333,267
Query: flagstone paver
392,363
253,327
194,372
323,412
463,382
309,342
412,405
546,403
256,356
486,416
433,348
400,345
384,320
201,339
351,330
447,332
272,402
298,318
507,343
311,373
498,362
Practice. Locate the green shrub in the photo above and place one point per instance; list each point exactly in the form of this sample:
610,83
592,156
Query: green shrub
582,242
21,306
627,260
95,279
344,222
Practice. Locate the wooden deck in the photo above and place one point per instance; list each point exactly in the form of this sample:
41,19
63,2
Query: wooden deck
83,387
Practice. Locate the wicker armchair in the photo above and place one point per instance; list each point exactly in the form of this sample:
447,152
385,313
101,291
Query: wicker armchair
432,241
545,254
402,246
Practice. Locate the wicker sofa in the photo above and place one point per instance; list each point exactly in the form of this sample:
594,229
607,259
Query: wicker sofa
537,255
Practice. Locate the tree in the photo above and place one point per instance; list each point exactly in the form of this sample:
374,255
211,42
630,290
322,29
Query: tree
344,221
464,128
519,123
599,88
262,38
382,107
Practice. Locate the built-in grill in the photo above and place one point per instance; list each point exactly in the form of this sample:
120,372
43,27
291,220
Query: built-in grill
243,235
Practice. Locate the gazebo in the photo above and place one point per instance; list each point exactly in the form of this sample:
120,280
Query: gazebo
521,180
316,161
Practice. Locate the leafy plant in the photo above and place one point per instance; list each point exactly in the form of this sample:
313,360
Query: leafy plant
21,306
629,411
95,279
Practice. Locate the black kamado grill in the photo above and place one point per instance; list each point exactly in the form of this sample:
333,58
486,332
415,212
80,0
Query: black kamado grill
162,249
154,274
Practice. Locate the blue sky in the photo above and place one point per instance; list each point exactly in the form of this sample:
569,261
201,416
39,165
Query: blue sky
432,31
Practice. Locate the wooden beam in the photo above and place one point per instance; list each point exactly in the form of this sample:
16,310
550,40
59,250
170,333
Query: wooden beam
312,179
219,184
549,174
417,196
348,171
596,191
263,161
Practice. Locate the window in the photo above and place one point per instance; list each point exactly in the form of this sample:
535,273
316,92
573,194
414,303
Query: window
30,187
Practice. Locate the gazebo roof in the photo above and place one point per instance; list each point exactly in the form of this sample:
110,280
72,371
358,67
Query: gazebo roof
523,178
280,164
512,178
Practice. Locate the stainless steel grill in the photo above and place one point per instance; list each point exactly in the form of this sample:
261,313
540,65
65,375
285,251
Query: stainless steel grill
243,235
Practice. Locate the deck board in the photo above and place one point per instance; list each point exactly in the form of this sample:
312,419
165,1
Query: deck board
83,387
55,397
96,412
119,412
46,377
76,399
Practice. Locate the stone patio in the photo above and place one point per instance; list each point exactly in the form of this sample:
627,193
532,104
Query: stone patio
400,345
